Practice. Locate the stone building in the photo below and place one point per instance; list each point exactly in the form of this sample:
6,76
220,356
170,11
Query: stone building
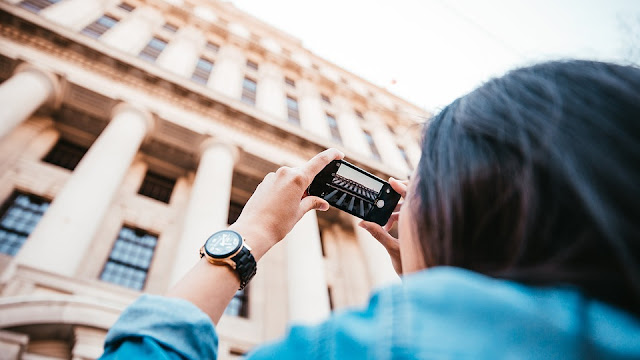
130,131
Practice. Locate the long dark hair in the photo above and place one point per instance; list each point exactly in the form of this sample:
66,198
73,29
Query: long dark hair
535,177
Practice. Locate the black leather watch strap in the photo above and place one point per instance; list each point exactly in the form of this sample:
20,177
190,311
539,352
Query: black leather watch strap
245,266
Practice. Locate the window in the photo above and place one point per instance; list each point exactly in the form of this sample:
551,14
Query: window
212,47
157,187
65,154
100,26
252,65
372,145
325,99
202,71
18,217
293,115
333,125
235,208
170,27
249,87
126,7
130,258
359,115
36,5
238,306
153,49
403,152
289,82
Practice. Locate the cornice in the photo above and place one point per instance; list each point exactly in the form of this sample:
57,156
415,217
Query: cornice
29,29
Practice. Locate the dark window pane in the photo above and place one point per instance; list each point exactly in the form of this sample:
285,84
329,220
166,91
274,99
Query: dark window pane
36,5
18,217
153,49
202,71
325,98
333,126
234,212
212,46
126,7
292,111
100,26
170,27
403,152
130,258
252,65
157,187
289,82
238,306
65,154
372,145
249,91
359,115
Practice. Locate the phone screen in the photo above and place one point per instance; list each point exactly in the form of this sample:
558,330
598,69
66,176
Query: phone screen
368,183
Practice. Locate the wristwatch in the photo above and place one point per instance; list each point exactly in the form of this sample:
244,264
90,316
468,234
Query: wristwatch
227,247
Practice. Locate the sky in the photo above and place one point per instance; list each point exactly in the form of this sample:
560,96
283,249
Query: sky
431,52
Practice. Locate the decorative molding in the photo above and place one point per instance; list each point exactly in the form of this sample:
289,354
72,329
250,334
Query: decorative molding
128,70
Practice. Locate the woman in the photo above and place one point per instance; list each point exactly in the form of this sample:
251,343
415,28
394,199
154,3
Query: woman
518,236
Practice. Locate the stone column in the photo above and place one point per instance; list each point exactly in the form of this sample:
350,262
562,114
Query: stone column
61,238
312,114
228,71
208,208
88,342
76,14
349,126
376,257
23,93
182,53
132,33
271,97
308,295
385,143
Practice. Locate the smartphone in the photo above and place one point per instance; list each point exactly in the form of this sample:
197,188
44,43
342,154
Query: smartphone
355,191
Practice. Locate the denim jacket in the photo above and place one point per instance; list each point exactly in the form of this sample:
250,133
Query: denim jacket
440,313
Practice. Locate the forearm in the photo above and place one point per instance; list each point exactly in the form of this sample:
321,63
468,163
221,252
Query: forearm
211,287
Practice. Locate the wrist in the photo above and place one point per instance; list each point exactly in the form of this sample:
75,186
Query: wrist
258,241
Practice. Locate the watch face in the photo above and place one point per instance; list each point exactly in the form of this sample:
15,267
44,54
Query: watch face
223,243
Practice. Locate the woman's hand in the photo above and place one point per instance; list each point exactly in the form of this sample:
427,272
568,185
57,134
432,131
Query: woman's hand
279,202
381,233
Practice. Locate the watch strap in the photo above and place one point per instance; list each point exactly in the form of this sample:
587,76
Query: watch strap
246,266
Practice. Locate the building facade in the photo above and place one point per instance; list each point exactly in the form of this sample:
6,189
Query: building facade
130,131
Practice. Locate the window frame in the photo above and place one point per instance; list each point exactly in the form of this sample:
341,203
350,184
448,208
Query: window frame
20,235
249,95
111,259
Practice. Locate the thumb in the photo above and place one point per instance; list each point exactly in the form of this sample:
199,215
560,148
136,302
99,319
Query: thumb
313,203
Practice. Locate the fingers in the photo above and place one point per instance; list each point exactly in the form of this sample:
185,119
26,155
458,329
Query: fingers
392,220
318,162
313,203
380,234
400,186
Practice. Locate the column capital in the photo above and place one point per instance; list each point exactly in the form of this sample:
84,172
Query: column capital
55,97
145,115
214,141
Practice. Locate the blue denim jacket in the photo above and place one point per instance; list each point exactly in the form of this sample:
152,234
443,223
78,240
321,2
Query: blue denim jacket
441,313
